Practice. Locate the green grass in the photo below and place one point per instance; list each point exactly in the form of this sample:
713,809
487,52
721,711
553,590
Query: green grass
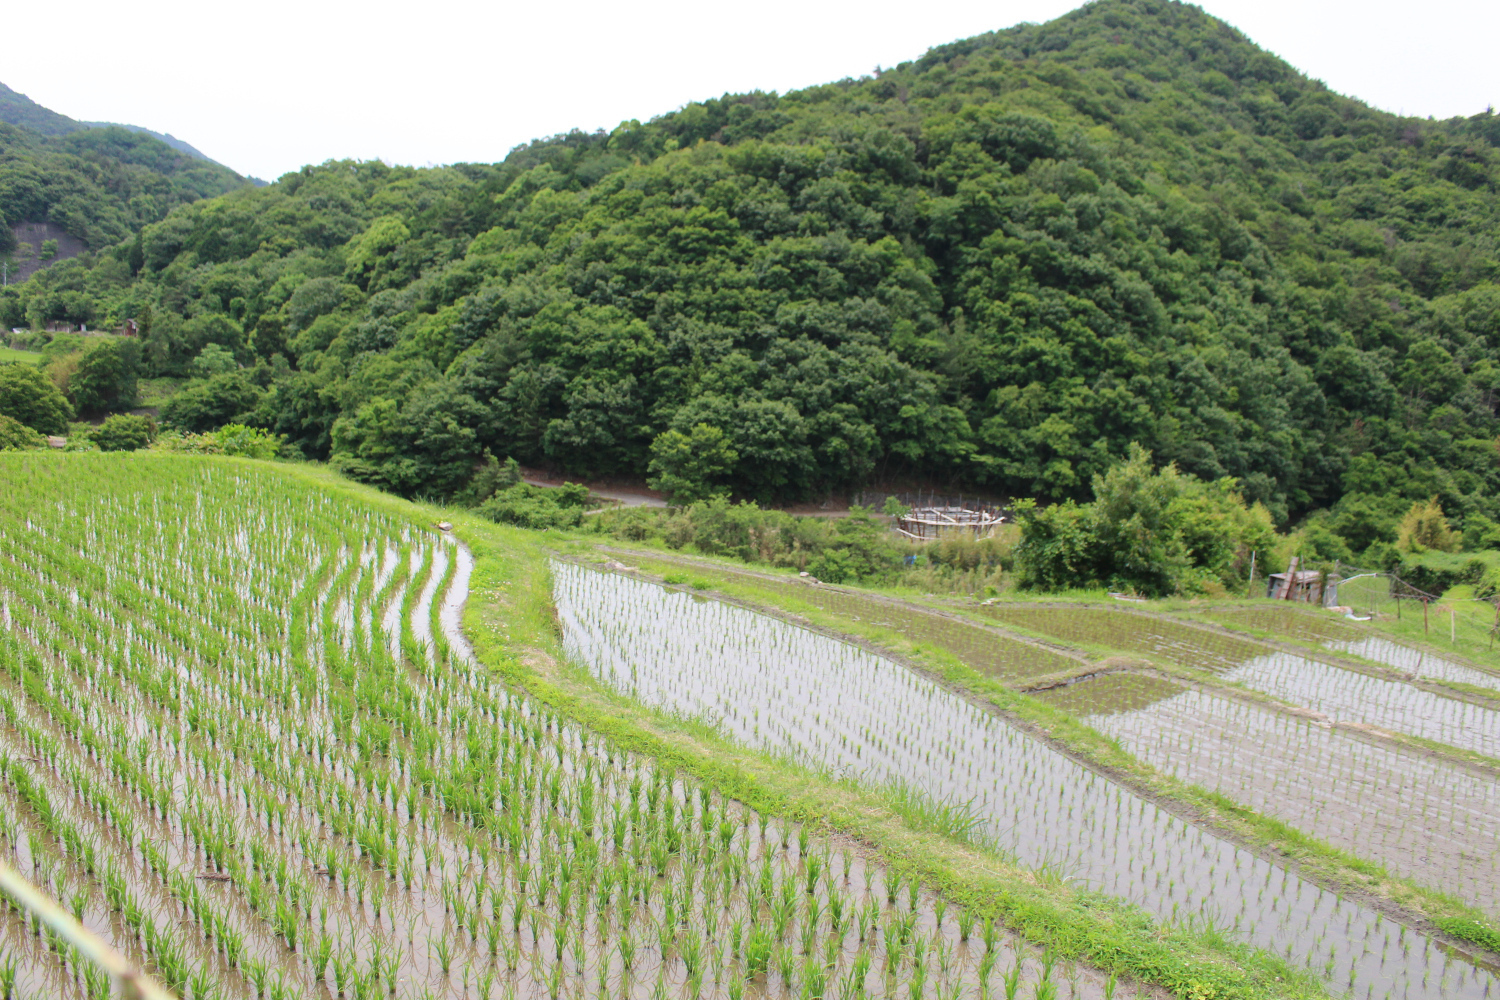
9,355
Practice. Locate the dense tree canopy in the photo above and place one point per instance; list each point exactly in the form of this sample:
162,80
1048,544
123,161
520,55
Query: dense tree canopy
998,265
99,184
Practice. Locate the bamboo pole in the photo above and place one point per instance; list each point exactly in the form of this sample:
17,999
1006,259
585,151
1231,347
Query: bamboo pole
134,984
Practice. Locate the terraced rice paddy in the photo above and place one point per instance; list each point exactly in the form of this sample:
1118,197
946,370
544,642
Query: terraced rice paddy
984,649
234,746
838,708
1346,696
1342,695
1346,637
1422,817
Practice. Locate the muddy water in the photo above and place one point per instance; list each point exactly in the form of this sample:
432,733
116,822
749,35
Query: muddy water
1423,818
789,690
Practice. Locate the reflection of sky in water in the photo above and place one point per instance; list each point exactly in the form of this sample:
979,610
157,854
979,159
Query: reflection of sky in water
1380,802
776,686
1348,696
1415,661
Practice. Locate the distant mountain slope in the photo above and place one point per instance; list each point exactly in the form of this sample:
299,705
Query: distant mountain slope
170,140
998,265
97,185
18,109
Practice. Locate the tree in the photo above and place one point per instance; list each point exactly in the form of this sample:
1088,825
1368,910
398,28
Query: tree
1059,546
105,377
223,399
1424,527
16,436
29,396
691,467
124,432
1135,518
215,359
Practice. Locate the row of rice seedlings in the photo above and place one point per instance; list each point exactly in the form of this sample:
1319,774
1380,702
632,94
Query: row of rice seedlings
1346,637
1420,816
983,648
1116,628
312,813
1347,696
843,710
1342,695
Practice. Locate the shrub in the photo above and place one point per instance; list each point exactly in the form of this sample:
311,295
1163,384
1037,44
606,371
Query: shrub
1424,527
28,396
537,507
1156,532
232,439
124,432
16,436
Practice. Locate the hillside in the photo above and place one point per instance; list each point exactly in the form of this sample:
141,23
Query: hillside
18,109
997,265
91,188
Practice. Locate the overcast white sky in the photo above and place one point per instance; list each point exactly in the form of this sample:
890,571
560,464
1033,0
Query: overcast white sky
268,87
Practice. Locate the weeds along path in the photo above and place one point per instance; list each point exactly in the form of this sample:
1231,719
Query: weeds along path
234,745
774,684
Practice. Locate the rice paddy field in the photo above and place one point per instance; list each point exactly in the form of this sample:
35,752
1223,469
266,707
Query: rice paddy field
245,741
1424,818
1340,636
1339,694
274,736
843,709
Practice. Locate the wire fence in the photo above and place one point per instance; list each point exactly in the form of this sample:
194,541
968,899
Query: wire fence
1466,625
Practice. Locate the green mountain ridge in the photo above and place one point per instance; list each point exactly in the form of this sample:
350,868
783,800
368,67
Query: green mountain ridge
997,265
18,109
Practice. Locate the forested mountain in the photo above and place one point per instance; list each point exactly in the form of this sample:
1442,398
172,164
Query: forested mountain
997,265
100,185
18,109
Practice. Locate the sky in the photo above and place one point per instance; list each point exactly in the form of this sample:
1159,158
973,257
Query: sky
268,87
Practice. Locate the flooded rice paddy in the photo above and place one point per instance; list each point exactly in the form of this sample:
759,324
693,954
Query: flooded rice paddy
1422,817
838,708
1342,695
984,649
210,753
1347,637
1347,696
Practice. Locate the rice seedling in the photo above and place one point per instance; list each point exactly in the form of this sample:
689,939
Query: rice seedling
1413,812
839,709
